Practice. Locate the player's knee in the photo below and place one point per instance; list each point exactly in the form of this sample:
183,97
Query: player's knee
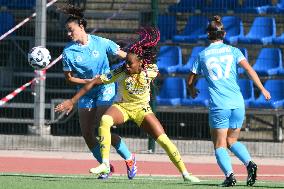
220,143
106,121
231,141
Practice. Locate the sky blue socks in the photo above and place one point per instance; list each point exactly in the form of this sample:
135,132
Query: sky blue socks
121,149
241,152
224,160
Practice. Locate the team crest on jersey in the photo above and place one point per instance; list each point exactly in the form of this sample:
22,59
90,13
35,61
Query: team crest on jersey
96,53
79,59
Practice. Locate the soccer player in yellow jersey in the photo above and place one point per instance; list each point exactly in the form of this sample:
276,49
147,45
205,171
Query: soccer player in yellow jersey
134,79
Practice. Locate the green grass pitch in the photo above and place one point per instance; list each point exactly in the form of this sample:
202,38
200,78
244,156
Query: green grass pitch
34,181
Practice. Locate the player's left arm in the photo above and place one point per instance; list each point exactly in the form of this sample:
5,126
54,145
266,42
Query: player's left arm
253,76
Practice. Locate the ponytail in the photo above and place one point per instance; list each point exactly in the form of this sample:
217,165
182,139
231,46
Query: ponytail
75,14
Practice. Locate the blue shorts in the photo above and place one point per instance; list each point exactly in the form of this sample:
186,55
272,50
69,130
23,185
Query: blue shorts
226,118
104,96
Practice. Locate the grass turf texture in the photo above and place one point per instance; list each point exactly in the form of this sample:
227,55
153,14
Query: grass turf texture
33,181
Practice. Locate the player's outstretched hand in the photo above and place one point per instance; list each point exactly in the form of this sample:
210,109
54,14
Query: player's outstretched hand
266,94
193,92
65,106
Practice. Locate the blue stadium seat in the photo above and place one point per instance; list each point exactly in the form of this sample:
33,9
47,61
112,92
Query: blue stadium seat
172,91
3,2
279,40
21,4
254,6
6,22
247,90
245,53
203,97
279,8
169,59
276,88
268,62
167,27
262,31
185,69
221,6
234,29
187,6
195,30
281,72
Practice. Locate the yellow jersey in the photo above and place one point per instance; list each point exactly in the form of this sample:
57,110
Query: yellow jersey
132,88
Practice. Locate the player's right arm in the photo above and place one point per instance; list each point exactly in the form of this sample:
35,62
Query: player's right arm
192,78
242,61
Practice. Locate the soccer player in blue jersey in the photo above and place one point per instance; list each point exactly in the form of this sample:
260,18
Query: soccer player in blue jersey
84,58
218,63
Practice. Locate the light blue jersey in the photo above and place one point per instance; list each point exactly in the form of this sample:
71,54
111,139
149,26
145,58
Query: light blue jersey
88,61
218,63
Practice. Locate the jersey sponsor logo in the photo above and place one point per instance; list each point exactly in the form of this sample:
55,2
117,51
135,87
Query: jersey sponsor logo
79,59
146,109
134,89
96,53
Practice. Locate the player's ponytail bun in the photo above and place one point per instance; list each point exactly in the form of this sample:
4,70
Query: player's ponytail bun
75,14
217,18
215,28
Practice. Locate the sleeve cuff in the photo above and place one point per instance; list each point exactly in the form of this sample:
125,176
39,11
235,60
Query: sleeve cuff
67,69
240,59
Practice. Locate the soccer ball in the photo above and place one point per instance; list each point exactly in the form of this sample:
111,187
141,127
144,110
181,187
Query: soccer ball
39,57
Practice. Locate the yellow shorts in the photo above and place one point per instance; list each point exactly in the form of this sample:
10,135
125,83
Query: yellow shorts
132,112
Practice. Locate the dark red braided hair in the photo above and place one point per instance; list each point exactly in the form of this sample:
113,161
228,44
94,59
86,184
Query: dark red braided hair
145,47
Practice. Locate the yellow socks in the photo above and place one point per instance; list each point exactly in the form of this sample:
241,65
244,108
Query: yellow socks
105,136
172,152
